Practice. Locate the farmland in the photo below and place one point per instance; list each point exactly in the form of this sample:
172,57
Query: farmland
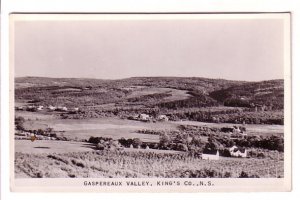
147,127
44,146
140,165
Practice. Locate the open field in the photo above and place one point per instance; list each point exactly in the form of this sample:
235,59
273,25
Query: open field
174,93
32,116
45,146
252,129
106,127
117,128
61,147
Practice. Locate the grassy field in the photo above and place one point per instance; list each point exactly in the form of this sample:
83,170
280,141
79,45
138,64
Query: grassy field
116,128
36,115
175,94
252,129
49,146
103,127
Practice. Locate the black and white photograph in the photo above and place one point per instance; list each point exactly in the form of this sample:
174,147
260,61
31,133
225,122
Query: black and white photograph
151,98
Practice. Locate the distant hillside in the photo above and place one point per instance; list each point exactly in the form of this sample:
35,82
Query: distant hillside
204,85
180,98
201,92
186,83
26,82
268,93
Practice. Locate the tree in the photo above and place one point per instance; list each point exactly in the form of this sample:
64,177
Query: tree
211,146
182,147
19,123
136,142
40,132
196,141
123,142
164,140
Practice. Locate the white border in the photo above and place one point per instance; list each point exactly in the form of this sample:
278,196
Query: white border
144,6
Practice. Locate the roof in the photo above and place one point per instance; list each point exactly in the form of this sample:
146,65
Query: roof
209,151
242,150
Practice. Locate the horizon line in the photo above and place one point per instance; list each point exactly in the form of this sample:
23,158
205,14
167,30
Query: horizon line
112,79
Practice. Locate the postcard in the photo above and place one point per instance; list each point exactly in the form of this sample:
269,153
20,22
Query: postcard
148,102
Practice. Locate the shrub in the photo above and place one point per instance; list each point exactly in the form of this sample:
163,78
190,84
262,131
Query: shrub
58,158
227,175
78,163
40,132
261,155
96,140
243,175
53,135
164,140
100,146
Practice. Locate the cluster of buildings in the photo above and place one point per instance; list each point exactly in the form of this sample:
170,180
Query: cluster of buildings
59,108
238,152
35,108
234,152
148,118
33,137
235,131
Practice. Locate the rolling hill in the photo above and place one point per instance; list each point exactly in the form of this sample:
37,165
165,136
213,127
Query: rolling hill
201,91
269,93
180,98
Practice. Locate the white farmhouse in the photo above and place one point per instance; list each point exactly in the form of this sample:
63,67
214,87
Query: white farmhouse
162,118
40,108
144,117
52,108
238,152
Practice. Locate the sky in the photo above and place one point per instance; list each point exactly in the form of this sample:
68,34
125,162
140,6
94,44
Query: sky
233,49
